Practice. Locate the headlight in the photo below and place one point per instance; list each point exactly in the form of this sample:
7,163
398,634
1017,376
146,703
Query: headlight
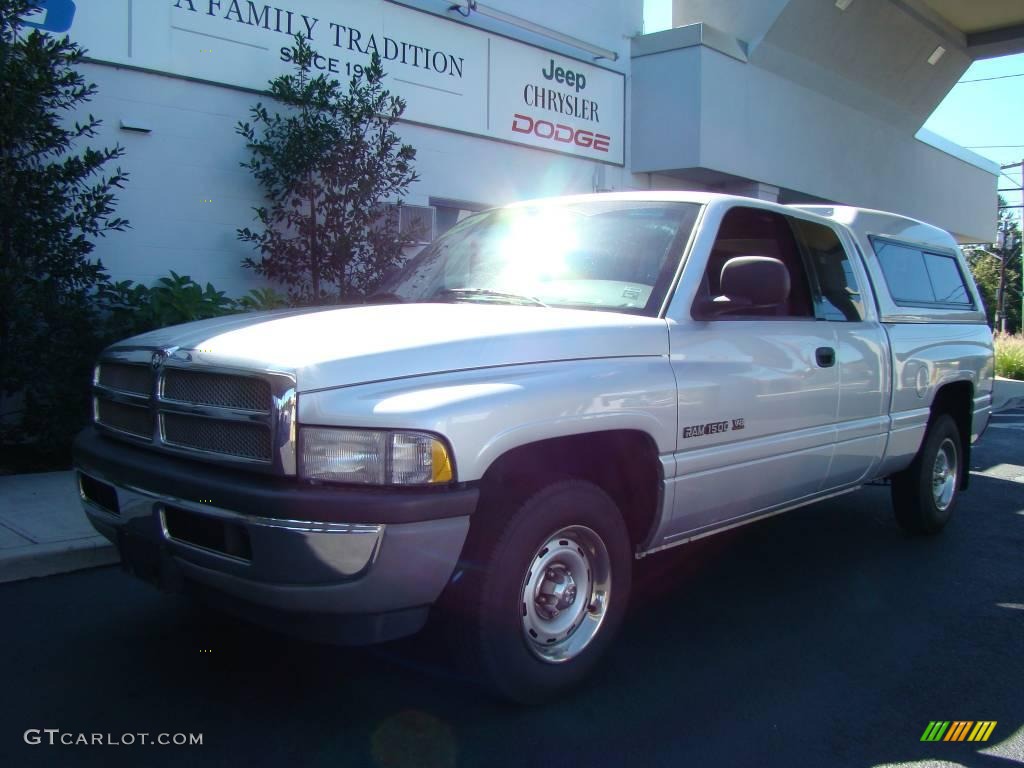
372,457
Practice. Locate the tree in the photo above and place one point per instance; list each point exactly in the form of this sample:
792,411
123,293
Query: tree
54,200
986,263
327,164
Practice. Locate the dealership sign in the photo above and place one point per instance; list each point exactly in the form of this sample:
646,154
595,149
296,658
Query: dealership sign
451,75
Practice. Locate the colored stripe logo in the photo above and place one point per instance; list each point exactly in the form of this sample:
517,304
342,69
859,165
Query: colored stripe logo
958,730
52,16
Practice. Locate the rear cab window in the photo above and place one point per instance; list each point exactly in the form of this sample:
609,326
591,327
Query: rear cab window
923,277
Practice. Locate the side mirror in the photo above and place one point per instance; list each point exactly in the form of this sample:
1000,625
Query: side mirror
749,282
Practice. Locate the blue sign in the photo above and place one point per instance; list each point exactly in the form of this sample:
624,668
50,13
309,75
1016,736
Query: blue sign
54,16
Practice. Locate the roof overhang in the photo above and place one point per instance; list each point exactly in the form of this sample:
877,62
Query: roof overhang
986,28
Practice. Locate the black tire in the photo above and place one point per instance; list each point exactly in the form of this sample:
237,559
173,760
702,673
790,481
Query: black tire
508,553
919,506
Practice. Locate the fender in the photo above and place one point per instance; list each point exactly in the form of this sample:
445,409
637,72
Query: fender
485,413
921,368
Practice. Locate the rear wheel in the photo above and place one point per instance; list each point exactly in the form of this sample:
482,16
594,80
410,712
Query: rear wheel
551,591
925,493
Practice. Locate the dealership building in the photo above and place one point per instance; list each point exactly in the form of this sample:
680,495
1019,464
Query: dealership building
789,100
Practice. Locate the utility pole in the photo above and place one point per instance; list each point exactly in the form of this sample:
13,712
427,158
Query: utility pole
1002,248
1006,244
1001,292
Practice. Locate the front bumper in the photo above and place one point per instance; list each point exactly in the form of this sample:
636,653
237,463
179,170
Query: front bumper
276,551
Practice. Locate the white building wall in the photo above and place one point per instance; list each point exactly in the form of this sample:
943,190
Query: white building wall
607,23
757,124
188,194
695,118
722,120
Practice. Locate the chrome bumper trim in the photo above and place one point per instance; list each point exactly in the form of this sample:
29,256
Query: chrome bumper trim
348,549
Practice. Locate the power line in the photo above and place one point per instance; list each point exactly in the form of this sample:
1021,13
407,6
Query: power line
997,77
1017,189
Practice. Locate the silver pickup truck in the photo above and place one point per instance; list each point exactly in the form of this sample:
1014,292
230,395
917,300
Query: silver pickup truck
545,393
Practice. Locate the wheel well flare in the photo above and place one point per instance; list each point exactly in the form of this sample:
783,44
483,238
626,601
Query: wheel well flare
623,463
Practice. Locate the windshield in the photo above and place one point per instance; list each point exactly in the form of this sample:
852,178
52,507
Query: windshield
606,255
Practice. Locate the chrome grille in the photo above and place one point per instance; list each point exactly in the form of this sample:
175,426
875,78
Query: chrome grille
127,378
232,438
217,389
133,419
170,402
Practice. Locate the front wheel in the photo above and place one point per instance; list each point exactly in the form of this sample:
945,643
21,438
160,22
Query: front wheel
925,493
552,590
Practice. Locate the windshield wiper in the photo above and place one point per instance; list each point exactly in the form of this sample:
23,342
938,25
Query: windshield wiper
487,292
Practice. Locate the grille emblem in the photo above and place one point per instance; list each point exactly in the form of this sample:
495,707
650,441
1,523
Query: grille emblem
161,355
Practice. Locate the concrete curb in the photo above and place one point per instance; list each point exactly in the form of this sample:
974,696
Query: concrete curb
43,529
1007,394
60,557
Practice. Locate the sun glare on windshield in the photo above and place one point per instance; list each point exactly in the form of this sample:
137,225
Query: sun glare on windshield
608,255
535,247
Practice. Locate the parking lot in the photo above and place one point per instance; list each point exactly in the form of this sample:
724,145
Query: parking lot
821,637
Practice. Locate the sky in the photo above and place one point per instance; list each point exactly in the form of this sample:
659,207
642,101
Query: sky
980,114
987,116
657,15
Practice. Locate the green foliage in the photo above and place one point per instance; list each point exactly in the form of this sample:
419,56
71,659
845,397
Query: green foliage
125,309
1009,356
326,163
261,299
54,202
180,299
985,264
132,308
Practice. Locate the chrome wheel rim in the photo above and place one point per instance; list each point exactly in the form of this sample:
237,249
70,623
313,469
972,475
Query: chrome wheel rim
565,594
944,475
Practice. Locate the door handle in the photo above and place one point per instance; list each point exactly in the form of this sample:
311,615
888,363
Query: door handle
826,357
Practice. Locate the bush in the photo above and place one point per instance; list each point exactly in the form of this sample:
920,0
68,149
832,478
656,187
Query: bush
132,308
113,312
327,158
57,196
261,299
1010,356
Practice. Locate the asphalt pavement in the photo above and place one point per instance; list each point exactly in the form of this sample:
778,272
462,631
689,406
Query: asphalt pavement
822,637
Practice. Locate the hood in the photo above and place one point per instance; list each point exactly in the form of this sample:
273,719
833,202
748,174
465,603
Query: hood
343,346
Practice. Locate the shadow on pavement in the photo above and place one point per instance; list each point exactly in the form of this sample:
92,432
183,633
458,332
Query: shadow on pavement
825,636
